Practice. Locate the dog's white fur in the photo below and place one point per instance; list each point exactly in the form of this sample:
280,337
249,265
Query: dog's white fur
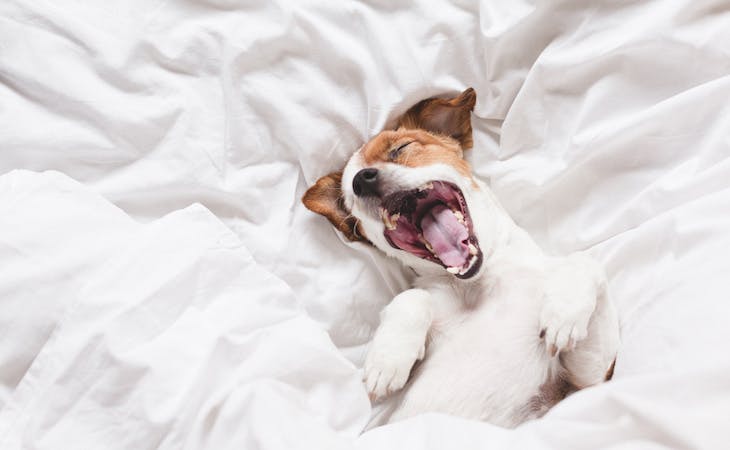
480,341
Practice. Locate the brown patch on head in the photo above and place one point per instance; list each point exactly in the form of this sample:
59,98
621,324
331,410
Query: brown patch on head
433,131
444,116
325,198
415,148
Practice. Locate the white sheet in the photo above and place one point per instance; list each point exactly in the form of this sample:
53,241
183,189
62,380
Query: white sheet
601,126
166,334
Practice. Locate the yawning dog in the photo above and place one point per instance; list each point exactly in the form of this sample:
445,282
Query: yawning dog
493,329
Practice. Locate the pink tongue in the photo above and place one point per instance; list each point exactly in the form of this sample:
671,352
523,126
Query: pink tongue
446,235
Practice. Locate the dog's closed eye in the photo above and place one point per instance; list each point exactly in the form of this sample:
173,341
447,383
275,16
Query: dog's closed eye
395,153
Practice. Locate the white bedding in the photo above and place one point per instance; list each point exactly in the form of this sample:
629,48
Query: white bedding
131,320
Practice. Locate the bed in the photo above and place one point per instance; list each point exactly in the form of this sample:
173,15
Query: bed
162,285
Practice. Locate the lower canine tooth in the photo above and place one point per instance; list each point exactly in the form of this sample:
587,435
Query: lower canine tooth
388,220
392,221
453,270
472,249
428,246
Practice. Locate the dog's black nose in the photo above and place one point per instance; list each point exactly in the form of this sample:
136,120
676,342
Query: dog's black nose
365,183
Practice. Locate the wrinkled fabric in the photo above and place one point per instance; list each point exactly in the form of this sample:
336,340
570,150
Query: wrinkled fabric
163,335
130,320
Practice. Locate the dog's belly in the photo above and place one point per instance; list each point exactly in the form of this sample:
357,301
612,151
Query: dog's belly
486,364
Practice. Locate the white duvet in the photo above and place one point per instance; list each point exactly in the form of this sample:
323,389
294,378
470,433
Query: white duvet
161,285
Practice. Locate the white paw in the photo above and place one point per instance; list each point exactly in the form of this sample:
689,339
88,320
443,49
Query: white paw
387,369
564,324
571,292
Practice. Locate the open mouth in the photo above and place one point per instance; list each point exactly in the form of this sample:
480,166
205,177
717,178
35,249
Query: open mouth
433,223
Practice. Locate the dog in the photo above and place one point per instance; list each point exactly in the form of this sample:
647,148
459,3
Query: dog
493,329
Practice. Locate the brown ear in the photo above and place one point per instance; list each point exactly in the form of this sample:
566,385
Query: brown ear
447,116
325,198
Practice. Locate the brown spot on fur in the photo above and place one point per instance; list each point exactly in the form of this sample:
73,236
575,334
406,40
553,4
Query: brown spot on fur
437,130
325,198
423,149
549,394
609,374
444,116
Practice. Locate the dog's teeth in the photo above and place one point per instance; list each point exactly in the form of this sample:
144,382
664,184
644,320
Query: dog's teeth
471,263
426,186
390,222
459,216
472,249
428,246
453,270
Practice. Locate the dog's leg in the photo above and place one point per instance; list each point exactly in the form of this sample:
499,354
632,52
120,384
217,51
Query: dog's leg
399,342
578,321
592,360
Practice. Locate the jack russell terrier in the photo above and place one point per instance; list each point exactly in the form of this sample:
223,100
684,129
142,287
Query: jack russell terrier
493,329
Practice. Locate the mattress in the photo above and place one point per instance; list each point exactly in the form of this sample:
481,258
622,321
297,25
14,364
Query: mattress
164,287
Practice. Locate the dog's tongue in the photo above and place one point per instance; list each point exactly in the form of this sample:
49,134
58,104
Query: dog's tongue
446,235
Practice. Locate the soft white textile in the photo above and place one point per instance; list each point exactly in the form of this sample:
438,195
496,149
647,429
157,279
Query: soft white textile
130,320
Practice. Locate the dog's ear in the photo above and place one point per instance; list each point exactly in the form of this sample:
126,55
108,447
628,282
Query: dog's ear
325,198
447,116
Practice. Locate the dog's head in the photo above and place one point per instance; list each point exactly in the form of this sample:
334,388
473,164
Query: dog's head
409,191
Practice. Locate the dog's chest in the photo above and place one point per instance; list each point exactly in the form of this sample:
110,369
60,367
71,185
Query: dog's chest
484,357
504,306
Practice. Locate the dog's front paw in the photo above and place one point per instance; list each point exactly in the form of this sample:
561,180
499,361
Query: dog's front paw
565,315
564,322
571,292
387,369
